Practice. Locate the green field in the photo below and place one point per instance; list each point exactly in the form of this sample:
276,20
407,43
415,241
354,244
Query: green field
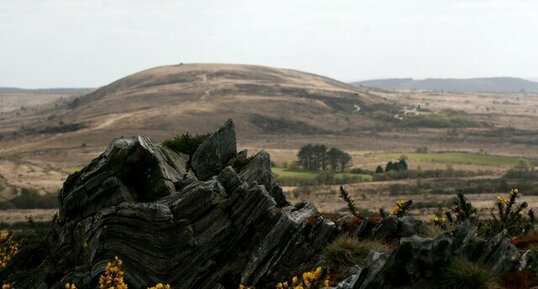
456,158
72,170
293,177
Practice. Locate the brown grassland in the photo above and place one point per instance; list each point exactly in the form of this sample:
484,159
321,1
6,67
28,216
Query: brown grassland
276,110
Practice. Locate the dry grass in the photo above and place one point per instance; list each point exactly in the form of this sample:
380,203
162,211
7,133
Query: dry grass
170,100
348,251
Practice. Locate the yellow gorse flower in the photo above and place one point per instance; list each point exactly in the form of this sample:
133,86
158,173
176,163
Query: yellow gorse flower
307,280
8,248
401,208
6,286
160,286
502,200
113,276
70,286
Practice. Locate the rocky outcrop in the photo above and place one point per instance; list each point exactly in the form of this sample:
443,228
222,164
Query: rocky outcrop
390,228
215,152
225,223
418,261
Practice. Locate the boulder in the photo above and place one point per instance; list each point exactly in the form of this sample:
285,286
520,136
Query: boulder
258,169
417,260
391,228
214,228
215,152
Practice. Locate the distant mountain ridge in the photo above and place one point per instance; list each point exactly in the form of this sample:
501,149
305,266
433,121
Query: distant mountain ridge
489,84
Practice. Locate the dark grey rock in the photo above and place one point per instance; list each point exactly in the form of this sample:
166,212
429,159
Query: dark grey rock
394,228
215,152
419,260
386,229
351,281
500,255
258,169
130,170
137,202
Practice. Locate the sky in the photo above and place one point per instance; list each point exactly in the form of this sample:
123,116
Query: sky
90,43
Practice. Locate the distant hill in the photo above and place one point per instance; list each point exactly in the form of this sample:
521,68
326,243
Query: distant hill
492,84
63,91
158,102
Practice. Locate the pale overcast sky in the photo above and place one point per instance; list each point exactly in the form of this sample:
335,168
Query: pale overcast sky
86,43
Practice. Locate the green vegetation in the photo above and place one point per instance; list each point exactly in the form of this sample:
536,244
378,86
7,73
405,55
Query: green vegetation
318,157
301,177
445,119
72,170
185,143
512,217
398,166
349,202
416,174
457,158
30,199
462,273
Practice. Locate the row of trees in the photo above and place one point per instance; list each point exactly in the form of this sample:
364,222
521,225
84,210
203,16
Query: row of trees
398,166
318,157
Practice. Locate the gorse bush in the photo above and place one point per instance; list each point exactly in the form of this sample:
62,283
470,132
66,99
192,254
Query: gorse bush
402,208
349,202
511,216
461,211
113,277
462,273
8,248
160,286
185,143
316,279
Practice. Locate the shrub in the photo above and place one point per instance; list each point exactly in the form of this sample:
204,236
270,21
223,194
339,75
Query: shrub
422,150
185,143
8,248
347,251
31,199
316,279
113,276
402,207
162,286
511,217
462,210
462,273
349,202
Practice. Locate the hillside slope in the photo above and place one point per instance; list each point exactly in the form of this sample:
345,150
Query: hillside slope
199,96
164,101
493,84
